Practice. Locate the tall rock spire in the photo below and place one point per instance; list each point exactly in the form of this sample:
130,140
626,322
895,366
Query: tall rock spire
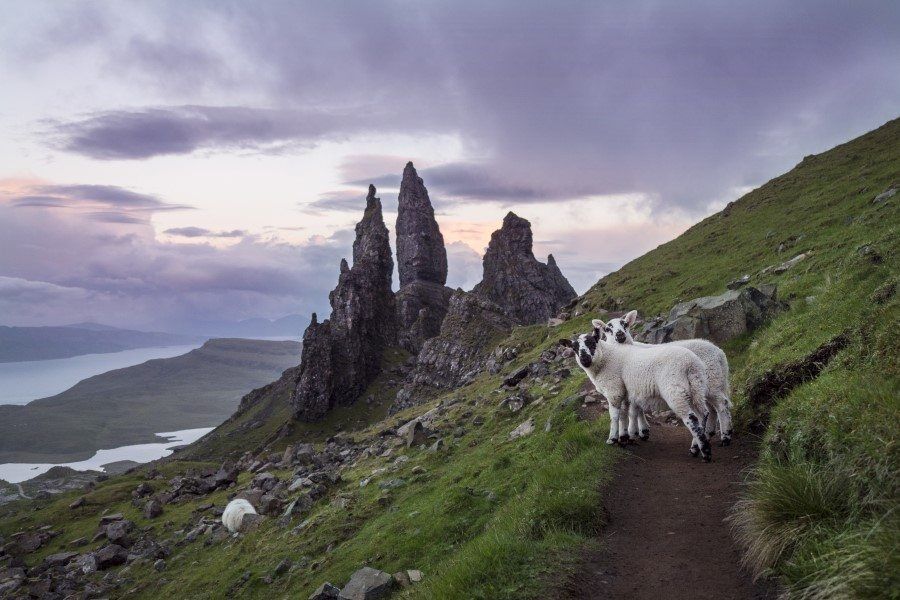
342,355
421,255
527,290
422,264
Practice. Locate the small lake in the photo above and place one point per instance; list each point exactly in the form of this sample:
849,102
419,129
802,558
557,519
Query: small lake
22,382
141,453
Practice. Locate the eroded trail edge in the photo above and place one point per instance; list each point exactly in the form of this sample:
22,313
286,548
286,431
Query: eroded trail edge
666,535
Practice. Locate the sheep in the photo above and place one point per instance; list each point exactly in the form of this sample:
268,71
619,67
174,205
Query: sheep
719,393
642,378
233,516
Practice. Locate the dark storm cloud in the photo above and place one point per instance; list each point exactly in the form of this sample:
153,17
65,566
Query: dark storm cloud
684,102
118,135
195,232
76,196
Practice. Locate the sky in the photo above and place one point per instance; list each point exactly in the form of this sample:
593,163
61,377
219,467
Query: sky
163,163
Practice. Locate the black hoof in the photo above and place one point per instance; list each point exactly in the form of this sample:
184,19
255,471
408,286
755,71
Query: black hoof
695,451
623,440
644,437
725,442
707,458
645,434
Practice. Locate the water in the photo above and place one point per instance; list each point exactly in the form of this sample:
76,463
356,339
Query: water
22,382
141,453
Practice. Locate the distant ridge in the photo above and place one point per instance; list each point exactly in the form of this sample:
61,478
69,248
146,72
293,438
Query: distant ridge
19,344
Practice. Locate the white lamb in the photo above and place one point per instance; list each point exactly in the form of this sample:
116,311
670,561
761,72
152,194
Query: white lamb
642,378
719,392
234,514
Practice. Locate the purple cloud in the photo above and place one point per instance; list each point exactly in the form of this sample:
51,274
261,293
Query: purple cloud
194,232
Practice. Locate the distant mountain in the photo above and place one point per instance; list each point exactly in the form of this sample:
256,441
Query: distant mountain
287,326
128,406
44,343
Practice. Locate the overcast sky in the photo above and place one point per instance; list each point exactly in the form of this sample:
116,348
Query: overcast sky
163,162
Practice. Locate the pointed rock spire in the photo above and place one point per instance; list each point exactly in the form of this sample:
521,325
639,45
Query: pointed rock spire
421,255
527,290
342,355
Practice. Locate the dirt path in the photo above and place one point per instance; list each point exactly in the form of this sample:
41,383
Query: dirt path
665,537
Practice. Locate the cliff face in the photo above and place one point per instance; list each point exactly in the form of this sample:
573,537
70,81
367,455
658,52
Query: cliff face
422,265
342,355
527,290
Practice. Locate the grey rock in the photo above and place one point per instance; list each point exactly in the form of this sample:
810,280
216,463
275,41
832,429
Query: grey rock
716,318
159,565
788,264
416,435
282,567
110,556
60,558
117,532
522,430
885,195
326,591
342,355
527,290
367,584
738,283
153,509
421,308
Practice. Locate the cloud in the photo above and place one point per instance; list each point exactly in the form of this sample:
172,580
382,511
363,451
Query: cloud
195,232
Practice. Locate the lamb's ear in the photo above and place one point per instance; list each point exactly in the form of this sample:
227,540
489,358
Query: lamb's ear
598,324
630,318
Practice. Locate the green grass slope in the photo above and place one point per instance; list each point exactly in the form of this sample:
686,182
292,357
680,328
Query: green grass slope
127,406
491,517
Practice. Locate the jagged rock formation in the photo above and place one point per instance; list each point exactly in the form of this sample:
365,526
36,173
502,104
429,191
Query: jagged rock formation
342,355
527,290
422,265
469,333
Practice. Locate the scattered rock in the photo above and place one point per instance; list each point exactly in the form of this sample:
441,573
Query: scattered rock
282,567
77,503
885,195
416,435
159,565
367,584
522,430
788,264
326,591
110,556
738,283
514,379
153,509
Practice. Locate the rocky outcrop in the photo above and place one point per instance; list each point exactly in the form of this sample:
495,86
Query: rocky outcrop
716,318
527,290
342,355
469,333
421,263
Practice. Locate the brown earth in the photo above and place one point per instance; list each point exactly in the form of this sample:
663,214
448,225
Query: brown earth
666,537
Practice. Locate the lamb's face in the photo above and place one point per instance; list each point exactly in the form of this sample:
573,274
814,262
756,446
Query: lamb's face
620,329
587,348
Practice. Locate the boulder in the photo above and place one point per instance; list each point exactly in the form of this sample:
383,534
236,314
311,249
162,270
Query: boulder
716,318
416,435
527,290
367,584
326,591
153,509
885,195
110,556
738,283
117,532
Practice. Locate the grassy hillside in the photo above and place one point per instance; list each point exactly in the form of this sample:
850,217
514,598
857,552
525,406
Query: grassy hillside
492,517
127,406
42,343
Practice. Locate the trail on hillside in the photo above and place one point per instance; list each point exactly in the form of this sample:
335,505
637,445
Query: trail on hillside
666,536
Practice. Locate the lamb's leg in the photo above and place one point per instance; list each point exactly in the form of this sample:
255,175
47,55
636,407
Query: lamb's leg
681,406
724,414
624,418
633,416
613,423
643,425
712,418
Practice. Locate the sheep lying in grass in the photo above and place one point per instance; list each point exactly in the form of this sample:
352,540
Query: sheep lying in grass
233,516
642,378
719,391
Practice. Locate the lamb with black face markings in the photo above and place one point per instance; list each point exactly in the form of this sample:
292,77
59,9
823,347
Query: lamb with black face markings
718,396
634,378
